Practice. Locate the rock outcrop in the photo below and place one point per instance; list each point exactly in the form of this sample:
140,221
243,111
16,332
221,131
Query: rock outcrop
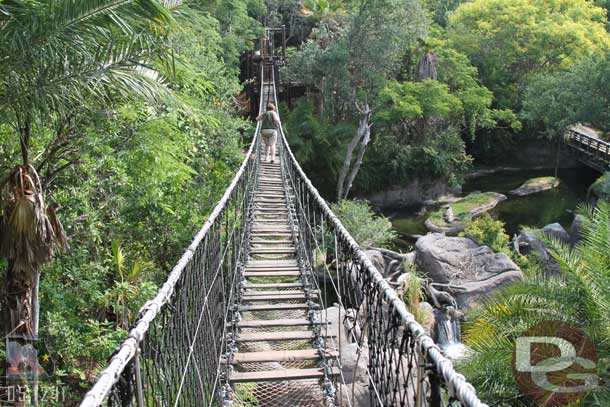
468,271
389,263
536,185
527,242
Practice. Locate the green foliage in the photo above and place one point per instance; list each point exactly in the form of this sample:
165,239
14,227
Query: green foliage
579,295
508,40
55,55
577,95
368,229
348,56
410,101
442,9
489,232
391,161
414,294
125,167
317,143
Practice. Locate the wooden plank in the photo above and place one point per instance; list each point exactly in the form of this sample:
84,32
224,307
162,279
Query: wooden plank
270,267
274,250
269,274
275,336
268,234
250,286
274,323
280,375
272,307
277,292
281,356
264,241
278,297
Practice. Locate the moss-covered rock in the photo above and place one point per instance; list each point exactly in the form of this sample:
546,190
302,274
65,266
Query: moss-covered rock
534,185
601,187
455,217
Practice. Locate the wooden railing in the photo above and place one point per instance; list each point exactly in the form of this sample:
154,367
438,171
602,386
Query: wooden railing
591,146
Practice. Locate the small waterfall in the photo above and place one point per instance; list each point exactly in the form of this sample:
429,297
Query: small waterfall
448,333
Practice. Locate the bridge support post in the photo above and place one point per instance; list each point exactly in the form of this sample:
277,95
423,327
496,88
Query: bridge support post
435,388
138,374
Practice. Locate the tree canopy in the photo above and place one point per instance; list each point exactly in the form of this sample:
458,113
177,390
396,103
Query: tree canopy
508,40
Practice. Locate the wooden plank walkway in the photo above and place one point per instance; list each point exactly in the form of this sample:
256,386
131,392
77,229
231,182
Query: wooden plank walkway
275,338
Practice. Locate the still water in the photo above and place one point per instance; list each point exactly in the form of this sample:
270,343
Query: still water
537,210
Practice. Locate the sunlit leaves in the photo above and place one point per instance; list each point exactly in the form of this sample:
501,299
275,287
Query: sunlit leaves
510,39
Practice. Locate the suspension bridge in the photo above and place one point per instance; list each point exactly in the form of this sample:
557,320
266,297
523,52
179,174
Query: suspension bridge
244,319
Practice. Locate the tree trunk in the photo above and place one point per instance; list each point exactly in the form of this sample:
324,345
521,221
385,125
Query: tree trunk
366,126
17,292
362,134
426,68
557,156
347,161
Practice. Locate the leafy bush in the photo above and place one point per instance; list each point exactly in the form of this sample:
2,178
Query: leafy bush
365,227
489,232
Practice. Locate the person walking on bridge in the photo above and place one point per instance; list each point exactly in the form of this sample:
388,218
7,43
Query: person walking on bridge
269,128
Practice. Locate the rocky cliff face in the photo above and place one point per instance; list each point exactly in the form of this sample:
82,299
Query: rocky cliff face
412,194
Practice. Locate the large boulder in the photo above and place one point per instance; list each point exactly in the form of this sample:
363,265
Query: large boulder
528,242
576,229
469,271
557,231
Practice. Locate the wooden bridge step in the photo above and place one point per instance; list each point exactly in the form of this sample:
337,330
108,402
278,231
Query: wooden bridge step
267,269
275,323
271,212
251,286
279,297
280,375
272,307
275,336
269,188
263,241
270,230
279,185
281,356
265,274
276,293
269,234
276,250
270,264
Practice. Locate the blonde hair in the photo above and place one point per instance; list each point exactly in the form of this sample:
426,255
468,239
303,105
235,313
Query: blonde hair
270,106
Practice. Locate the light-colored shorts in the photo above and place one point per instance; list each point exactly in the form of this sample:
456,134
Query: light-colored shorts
269,136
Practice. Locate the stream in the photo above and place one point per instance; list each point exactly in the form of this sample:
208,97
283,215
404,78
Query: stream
536,210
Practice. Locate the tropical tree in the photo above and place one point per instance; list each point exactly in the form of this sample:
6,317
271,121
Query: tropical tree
578,95
55,55
579,295
508,40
